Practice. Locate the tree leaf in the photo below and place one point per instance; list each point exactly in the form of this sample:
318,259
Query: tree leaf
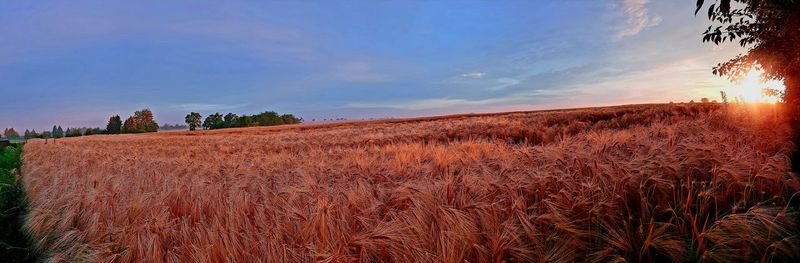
711,11
699,5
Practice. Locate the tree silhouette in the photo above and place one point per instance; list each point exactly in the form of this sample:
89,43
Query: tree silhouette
770,29
230,120
114,125
213,121
146,120
10,133
193,119
141,121
73,132
290,119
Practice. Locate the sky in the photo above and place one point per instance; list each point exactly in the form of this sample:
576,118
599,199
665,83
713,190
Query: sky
75,63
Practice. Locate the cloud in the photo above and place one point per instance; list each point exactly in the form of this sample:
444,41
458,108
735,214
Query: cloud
425,104
638,18
206,106
655,21
503,83
474,75
529,97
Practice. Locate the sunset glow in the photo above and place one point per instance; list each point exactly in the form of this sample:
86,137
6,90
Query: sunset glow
751,87
400,131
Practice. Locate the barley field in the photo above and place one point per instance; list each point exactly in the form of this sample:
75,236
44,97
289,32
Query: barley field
668,182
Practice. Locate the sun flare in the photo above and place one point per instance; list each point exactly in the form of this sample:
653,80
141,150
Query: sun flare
751,87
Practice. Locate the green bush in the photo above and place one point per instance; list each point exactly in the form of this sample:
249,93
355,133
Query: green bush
10,158
13,206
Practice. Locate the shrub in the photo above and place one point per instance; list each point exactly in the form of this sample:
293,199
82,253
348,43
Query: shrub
13,242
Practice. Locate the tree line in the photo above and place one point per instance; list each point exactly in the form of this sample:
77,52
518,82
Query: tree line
140,122
56,132
218,121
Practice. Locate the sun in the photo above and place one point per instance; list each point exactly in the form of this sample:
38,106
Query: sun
750,88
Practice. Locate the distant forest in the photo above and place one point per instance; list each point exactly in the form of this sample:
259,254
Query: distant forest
142,121
232,120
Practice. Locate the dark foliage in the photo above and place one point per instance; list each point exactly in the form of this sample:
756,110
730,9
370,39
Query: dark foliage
193,119
141,121
114,125
13,242
231,120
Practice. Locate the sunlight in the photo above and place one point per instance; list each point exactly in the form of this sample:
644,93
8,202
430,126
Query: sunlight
750,88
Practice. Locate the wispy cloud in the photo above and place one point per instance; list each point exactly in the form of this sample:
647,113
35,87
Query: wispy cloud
426,104
638,18
206,106
474,75
503,83
528,97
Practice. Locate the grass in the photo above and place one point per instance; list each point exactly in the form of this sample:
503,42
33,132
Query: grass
13,242
633,183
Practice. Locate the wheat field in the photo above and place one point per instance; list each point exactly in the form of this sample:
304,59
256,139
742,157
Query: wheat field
682,182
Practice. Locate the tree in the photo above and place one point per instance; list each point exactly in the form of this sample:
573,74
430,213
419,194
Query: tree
290,119
704,100
141,121
57,132
770,92
213,121
34,134
146,120
246,121
193,120
769,30
114,125
10,133
73,132
130,125
230,120
27,134
268,118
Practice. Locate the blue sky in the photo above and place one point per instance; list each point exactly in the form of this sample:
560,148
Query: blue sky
75,63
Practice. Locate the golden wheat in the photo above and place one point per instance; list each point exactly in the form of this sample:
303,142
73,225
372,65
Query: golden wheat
628,183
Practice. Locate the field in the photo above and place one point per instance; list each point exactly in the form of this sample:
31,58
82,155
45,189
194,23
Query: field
683,182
